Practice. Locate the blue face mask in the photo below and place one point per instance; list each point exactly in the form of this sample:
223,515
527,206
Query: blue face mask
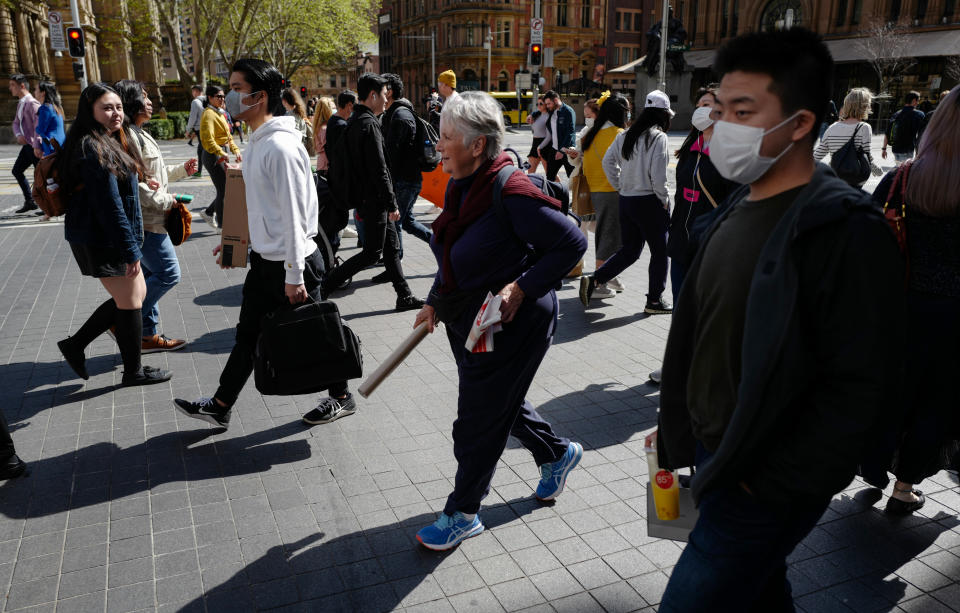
235,105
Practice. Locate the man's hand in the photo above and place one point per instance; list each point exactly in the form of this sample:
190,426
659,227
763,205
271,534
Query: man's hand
573,153
559,155
429,315
883,153
191,166
512,297
394,216
21,140
153,184
216,252
650,440
295,293
38,153
133,269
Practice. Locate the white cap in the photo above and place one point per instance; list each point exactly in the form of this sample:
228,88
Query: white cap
659,100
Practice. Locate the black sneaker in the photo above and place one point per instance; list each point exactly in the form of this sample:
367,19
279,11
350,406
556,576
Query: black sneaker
383,277
12,467
409,303
27,207
147,375
587,286
331,409
658,307
74,357
205,409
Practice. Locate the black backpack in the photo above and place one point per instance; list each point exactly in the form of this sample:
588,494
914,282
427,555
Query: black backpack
427,138
850,162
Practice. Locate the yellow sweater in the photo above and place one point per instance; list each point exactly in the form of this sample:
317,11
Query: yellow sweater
214,132
593,160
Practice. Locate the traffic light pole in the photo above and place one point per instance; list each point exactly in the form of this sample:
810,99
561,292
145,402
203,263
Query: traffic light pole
75,15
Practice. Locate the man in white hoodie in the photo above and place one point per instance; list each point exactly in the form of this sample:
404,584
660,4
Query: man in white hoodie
285,265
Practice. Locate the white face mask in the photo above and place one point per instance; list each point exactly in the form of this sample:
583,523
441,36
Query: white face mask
735,150
235,105
588,121
701,118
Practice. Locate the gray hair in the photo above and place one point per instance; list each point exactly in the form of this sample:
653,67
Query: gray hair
476,114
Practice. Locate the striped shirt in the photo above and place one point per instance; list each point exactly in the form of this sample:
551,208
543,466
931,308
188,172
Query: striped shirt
837,136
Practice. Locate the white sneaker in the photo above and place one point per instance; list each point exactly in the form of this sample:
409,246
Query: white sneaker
616,284
211,221
602,291
348,232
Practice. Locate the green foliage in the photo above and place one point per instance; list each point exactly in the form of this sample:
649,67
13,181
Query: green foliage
160,129
179,119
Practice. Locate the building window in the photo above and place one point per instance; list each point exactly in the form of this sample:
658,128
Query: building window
895,10
841,13
585,14
857,11
949,8
561,12
724,19
637,22
735,22
694,8
781,14
921,10
343,80
506,34
616,21
333,80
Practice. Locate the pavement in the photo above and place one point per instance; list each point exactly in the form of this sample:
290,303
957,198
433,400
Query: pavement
133,507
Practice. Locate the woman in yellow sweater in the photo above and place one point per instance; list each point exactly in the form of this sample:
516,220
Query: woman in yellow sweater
216,139
611,120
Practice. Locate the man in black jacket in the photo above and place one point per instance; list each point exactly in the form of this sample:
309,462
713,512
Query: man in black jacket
372,189
903,131
400,135
781,342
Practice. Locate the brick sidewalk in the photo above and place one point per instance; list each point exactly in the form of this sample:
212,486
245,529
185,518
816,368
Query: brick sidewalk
132,507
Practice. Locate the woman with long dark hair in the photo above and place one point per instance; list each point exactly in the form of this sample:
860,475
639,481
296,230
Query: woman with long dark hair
611,120
99,171
214,136
636,166
930,428
49,117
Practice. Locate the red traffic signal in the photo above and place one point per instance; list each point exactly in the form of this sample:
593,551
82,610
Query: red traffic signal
303,92
536,54
75,42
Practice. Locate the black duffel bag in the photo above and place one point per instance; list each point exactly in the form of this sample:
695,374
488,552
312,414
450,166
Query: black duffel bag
304,349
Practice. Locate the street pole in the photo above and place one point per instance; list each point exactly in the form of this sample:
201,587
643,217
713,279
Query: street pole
489,53
664,31
433,53
75,15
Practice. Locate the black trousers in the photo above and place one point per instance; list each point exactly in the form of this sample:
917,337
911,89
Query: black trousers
263,293
380,238
219,177
25,159
553,164
199,151
6,443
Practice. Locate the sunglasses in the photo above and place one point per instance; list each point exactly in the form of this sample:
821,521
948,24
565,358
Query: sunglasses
221,96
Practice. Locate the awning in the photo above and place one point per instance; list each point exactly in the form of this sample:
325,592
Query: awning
918,44
628,68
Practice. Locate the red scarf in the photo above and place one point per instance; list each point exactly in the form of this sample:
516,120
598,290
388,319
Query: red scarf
456,217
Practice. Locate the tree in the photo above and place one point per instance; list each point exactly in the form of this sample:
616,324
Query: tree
885,46
206,20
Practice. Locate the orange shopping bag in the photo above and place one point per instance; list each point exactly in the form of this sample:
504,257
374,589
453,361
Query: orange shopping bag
435,186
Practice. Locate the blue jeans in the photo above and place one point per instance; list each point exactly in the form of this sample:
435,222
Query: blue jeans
736,557
161,271
407,192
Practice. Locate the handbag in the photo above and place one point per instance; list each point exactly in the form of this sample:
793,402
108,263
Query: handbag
897,217
580,195
177,223
303,349
850,162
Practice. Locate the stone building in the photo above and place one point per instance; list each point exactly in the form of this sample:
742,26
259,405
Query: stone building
122,42
573,41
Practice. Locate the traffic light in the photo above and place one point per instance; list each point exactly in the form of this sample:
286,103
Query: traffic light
536,54
75,42
303,92
78,71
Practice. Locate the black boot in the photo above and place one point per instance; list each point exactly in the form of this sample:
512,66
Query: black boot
12,467
129,339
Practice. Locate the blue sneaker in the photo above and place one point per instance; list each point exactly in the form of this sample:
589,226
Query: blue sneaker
553,476
449,530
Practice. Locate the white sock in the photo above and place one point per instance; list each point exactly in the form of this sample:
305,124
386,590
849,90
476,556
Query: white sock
468,516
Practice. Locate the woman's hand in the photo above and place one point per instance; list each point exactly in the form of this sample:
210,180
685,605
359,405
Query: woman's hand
38,152
512,296
429,315
573,153
222,160
650,440
153,184
133,269
191,166
239,158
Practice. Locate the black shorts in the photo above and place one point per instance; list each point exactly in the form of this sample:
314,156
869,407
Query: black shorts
534,152
99,262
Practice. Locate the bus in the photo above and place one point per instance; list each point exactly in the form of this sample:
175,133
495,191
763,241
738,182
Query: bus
508,102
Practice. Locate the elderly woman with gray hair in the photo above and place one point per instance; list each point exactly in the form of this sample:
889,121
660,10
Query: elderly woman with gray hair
520,252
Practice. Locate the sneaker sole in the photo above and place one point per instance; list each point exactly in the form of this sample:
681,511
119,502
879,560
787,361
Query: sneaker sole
563,479
210,419
339,414
447,546
158,349
657,311
141,382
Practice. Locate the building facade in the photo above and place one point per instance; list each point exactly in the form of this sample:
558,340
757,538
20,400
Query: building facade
627,24
118,46
486,42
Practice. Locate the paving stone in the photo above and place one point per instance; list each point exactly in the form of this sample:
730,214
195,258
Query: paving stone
517,594
32,593
477,601
497,569
130,572
130,597
555,584
618,598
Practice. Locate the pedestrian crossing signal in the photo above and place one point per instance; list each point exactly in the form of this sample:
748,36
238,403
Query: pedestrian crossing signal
536,54
75,42
303,92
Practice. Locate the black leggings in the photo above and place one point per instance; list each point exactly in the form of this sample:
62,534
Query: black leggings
219,176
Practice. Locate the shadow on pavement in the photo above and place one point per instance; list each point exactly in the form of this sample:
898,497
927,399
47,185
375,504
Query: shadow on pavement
104,471
31,387
225,296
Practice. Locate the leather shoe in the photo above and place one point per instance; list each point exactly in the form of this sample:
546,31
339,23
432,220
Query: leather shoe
895,506
12,468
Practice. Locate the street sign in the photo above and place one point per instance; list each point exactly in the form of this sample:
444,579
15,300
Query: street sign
523,81
57,41
536,30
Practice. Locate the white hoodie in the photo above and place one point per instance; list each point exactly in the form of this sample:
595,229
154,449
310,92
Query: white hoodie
281,198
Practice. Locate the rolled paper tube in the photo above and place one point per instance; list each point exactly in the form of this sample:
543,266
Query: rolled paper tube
393,360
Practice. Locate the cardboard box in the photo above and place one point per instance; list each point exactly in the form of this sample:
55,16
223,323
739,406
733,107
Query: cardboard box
235,238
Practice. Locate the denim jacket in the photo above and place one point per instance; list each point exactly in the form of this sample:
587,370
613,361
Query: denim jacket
105,211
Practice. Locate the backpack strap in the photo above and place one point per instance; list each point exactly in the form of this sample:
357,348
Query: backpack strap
503,175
